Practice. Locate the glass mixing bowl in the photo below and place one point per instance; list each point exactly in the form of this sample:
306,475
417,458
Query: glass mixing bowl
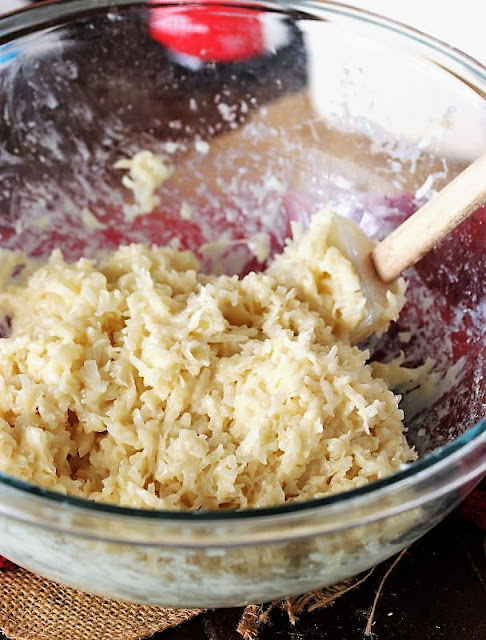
315,103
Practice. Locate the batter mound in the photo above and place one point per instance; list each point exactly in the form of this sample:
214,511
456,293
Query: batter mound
138,380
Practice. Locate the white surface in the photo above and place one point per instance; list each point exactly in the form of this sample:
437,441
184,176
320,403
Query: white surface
460,23
10,5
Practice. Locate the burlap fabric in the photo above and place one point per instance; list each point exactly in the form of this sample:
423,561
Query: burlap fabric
33,608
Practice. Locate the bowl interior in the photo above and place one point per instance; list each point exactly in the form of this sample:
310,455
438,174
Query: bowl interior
327,107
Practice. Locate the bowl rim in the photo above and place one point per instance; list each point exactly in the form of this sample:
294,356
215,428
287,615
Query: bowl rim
55,12
23,18
421,471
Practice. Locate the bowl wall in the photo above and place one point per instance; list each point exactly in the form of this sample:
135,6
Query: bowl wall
338,106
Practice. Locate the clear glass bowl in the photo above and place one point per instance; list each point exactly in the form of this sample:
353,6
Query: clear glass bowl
331,104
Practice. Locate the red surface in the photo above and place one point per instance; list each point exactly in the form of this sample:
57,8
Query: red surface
209,33
464,248
6,565
473,509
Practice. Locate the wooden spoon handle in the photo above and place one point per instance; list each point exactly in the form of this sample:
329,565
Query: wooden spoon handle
432,222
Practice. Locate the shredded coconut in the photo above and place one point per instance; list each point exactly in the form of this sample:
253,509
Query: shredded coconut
138,380
258,244
202,147
91,221
187,211
147,172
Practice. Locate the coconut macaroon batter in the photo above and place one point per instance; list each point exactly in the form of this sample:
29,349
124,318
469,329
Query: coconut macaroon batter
138,380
